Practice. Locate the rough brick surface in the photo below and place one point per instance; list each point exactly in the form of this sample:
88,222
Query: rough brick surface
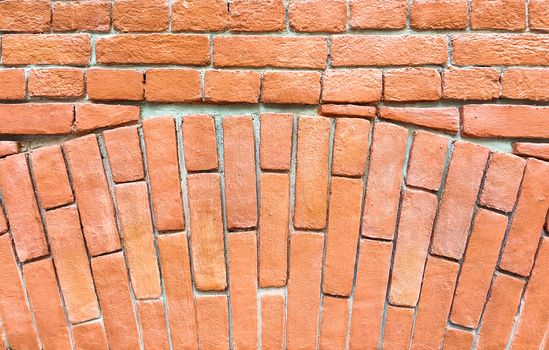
56,83
50,177
115,84
12,84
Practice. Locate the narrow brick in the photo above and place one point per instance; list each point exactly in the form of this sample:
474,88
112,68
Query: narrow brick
529,84
275,141
502,181
7,148
57,83
350,146
31,16
140,15
398,327
13,85
3,221
510,15
50,177
351,86
333,327
384,180
115,84
318,15
231,86
291,87
528,149
92,15
257,16
199,16
347,111
89,117
124,152
427,160
213,321
36,119
90,335
153,324
200,145
273,314
412,84
470,83
448,14
173,85
456,339
538,15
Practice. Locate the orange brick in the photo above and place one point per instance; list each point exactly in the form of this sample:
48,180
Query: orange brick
273,314
114,84
527,149
163,168
50,177
318,15
436,14
350,111
140,15
350,146
124,152
333,327
56,83
21,208
36,118
342,235
213,321
384,180
398,327
412,84
32,16
46,304
199,139
199,15
377,14
275,141
291,87
92,15
7,148
510,14
231,86
456,339
257,16
3,222
528,84
12,84
240,175
153,324
207,229
304,290
173,85
94,116
470,83
354,86
311,184
538,15
90,335
442,118
460,193
427,160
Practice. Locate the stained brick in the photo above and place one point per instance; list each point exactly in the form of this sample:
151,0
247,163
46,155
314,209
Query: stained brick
124,152
377,14
199,16
36,118
213,321
90,335
140,15
56,83
32,16
94,116
273,316
350,147
275,141
12,84
173,85
333,327
427,160
432,14
412,84
530,84
510,14
527,149
153,324
199,139
470,83
115,84
351,86
50,177
398,327
456,339
91,15
318,15
231,86
291,87
257,16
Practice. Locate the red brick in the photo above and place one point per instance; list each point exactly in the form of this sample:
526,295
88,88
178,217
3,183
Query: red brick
510,14
412,84
132,202
499,313
92,194
538,15
354,86
427,160
46,304
207,230
270,51
176,273
318,15
50,177
333,327
153,49
115,84
537,150
72,266
342,235
439,14
311,184
12,84
398,327
7,148
153,324
3,221
304,290
478,267
273,314
456,339
124,152
506,121
417,214
434,305
240,175
347,111
199,15
257,16
231,86
21,208
94,116
291,87
32,16
90,336
528,219
92,15
350,146
502,181
140,15
273,229
456,208
36,118
199,138
470,83
372,276
275,141
388,50
387,155
243,286
163,168
377,14
213,321
525,84
26,49
173,85
500,49
56,83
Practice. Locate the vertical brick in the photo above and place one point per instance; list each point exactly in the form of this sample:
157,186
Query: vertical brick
456,339
470,83
384,180
140,15
398,327
136,227
90,336
350,146
433,14
60,83
163,166
333,327
21,208
318,15
221,86
511,14
46,304
92,15
372,277
291,87
173,85
199,15
427,158
115,84
176,272
273,314
240,175
414,235
456,209
199,140
257,16
12,84
502,181
304,290
377,14
124,152
275,141
111,281
50,177
92,194
213,321
342,236
311,188
72,265
207,231
538,15
153,324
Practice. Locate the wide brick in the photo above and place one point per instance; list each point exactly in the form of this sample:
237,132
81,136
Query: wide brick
90,335
510,14
460,193
92,194
257,16
199,15
412,84
8,148
213,321
351,86
163,168
36,118
528,219
435,14
239,170
25,49
90,15
275,141
456,339
387,155
32,16
273,311
311,183
270,51
506,121
342,235
377,14
398,327
291,87
115,84
350,111
273,229
528,84
124,152
478,267
427,160
388,50
372,277
56,83
318,15
527,149
50,177
333,327
470,83
134,215
502,181
94,116
350,146
199,138
207,230
12,84
538,15
153,324
140,15
21,208
231,86
173,85
153,49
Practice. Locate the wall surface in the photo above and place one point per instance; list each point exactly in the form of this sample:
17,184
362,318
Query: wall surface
274,174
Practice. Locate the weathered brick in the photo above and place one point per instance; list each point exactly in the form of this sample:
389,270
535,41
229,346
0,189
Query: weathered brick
436,14
333,327
12,84
173,85
199,139
318,15
350,146
199,15
275,148
257,16
213,321
88,15
124,152
351,86
398,327
140,15
153,324
32,16
7,148
3,221
94,116
499,14
231,86
470,83
350,111
529,84
50,177
412,84
456,339
115,84
538,15
90,335
56,83
427,160
273,316
527,149
291,87
36,118
377,14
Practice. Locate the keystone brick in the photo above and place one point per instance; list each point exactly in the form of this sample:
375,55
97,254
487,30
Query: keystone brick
272,321
124,152
350,147
257,16
510,14
351,86
333,327
275,148
12,84
199,15
412,84
115,84
526,149
427,160
173,85
90,335
231,86
377,14
213,321
8,148
470,83
91,15
351,111
140,15
456,339
291,87
318,15
56,83
32,16
398,327
528,84
50,177
199,141
93,116
153,324
432,14
538,15
36,118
